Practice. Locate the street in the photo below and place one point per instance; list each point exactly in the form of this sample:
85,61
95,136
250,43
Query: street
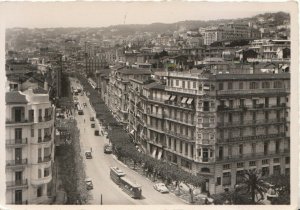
98,167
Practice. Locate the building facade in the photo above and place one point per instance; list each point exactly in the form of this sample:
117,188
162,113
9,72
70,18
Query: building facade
29,147
214,123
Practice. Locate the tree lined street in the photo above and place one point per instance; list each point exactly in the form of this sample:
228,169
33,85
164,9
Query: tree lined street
98,167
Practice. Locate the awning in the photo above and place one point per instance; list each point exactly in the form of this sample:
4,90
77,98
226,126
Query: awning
159,154
172,98
190,101
132,132
168,97
184,99
154,152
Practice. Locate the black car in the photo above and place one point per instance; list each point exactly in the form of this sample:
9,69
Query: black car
92,119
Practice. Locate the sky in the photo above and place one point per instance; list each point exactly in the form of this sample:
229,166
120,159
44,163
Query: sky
99,14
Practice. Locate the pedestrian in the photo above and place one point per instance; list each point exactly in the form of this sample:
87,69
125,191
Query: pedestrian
91,149
84,120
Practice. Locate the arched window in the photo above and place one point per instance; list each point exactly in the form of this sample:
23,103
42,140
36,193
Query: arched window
205,170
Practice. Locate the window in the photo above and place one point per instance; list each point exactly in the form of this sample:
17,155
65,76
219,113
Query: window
241,85
229,150
266,85
205,155
39,191
265,161
240,165
177,82
220,153
278,101
266,148
46,172
183,84
221,86
226,178
230,117
218,180
194,85
18,197
253,85
276,160
32,132
242,102
241,149
188,84
226,166
287,160
231,104
18,133
39,173
252,163
265,171
206,106
277,144
276,170
277,84
229,85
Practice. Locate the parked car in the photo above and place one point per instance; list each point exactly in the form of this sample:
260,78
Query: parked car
88,155
161,187
89,184
92,119
107,148
93,125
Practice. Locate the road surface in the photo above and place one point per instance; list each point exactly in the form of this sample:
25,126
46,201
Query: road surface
98,167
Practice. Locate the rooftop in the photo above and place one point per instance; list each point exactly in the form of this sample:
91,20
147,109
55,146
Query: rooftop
15,97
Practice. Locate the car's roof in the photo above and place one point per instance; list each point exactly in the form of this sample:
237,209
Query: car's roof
88,179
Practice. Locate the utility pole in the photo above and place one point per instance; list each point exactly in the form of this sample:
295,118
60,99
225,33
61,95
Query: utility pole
101,199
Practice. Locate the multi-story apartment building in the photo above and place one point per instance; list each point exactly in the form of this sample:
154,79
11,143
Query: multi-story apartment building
217,124
271,49
29,146
118,90
214,123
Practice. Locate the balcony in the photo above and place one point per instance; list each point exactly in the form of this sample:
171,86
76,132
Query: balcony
180,120
16,163
180,105
47,118
251,138
156,115
224,108
45,159
159,100
16,142
253,156
251,122
157,129
180,136
47,138
22,121
253,91
41,181
183,90
20,202
17,184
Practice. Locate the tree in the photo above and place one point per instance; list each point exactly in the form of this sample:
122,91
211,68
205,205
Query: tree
254,183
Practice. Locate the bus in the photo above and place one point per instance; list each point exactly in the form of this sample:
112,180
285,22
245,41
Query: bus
131,188
116,174
79,109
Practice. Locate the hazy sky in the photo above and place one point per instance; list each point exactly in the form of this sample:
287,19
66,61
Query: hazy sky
97,14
